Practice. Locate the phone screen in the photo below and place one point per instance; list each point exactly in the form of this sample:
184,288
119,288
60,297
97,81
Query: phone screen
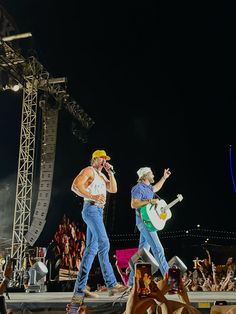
144,275
174,279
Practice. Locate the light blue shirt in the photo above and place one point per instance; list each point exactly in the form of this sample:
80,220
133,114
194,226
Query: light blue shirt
142,191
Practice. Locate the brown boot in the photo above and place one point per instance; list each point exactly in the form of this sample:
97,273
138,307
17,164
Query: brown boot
89,294
118,288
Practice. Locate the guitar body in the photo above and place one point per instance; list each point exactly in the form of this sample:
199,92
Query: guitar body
156,216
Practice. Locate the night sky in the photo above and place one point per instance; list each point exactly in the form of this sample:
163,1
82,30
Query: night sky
158,79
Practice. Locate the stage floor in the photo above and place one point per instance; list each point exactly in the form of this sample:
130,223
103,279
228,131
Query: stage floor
55,302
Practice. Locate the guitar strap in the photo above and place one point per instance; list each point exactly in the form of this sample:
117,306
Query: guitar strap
157,196
137,211
139,215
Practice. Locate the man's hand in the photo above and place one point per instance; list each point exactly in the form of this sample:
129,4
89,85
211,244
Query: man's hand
108,167
100,198
154,201
167,173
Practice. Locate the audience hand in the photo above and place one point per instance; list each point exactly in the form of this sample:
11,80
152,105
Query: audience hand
83,309
171,306
135,304
8,270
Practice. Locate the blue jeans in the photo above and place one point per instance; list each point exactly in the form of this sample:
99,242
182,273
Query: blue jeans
97,242
151,240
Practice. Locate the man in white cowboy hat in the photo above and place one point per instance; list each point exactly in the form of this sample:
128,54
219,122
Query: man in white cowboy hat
92,185
143,193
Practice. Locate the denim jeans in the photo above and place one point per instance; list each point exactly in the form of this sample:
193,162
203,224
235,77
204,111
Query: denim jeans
97,242
151,240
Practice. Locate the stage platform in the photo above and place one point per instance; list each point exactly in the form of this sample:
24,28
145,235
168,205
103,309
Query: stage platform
55,302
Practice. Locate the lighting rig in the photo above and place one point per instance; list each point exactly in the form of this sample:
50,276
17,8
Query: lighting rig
15,68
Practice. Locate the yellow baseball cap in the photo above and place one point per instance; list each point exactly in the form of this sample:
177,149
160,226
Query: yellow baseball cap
100,153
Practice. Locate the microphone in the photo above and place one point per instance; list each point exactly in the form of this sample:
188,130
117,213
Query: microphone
110,167
112,170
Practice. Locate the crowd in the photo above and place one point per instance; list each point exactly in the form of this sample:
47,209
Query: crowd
205,276
208,276
68,244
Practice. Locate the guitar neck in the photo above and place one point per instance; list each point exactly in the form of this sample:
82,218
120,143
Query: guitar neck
172,203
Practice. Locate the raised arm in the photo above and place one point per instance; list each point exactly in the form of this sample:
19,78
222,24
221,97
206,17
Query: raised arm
111,184
159,184
209,257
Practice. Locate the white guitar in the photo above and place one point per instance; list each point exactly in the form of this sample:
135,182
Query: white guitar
155,216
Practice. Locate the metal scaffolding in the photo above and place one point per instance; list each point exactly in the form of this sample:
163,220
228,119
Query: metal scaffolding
32,77
25,173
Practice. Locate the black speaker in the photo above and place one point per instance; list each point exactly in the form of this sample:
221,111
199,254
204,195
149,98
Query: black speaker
144,256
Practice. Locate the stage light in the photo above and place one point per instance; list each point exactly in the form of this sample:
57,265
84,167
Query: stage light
36,273
15,87
8,82
144,256
16,36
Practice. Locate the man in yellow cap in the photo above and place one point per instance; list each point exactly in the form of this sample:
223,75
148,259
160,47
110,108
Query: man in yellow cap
93,185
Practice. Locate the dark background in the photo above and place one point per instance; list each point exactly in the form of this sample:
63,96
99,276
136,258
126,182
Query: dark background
158,79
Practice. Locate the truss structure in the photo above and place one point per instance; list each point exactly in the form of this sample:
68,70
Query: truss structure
33,77
25,174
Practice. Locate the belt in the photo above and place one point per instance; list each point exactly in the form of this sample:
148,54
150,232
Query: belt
94,203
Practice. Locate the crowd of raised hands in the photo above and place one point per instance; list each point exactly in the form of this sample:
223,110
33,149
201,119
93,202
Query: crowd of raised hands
208,276
155,302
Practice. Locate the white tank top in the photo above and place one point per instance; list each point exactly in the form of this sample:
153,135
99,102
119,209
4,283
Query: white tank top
97,186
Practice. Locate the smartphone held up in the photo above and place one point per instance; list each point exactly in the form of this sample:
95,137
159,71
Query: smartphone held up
174,280
144,275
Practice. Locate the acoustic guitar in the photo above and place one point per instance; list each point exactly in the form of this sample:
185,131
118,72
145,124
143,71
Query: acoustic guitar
156,216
